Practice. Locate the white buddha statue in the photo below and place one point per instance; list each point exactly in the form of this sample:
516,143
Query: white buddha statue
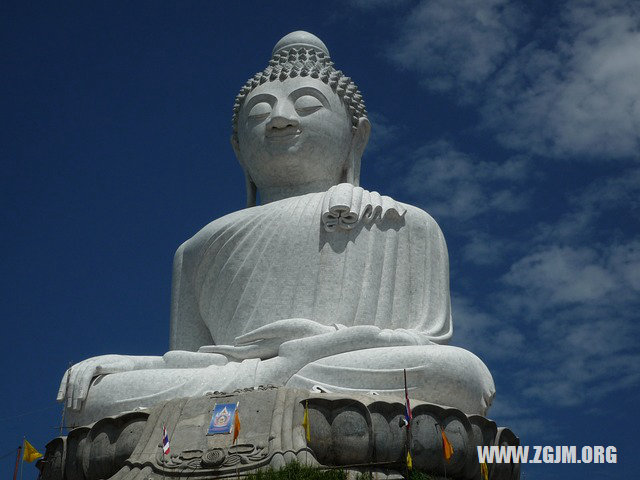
323,285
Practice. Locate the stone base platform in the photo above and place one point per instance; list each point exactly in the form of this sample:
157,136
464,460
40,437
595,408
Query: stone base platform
359,433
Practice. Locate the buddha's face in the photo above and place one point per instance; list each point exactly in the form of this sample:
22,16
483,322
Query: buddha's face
293,132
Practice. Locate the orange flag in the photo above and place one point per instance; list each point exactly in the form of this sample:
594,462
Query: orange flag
447,449
236,425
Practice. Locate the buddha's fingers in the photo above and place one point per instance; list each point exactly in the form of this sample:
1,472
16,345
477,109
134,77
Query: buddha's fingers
72,387
84,373
81,375
62,391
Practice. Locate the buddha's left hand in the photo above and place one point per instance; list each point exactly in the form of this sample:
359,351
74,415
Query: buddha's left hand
264,342
288,345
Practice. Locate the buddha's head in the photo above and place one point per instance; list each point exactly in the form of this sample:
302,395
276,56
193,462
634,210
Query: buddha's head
300,124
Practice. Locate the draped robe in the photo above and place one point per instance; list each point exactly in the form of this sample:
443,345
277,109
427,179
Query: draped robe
277,261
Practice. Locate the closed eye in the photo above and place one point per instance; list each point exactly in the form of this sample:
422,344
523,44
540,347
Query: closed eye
307,104
260,111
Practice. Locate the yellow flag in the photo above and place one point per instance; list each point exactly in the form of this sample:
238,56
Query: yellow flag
236,426
305,422
485,471
409,460
29,453
447,449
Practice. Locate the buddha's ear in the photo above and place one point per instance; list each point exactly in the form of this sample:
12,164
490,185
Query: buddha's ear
250,186
359,141
236,147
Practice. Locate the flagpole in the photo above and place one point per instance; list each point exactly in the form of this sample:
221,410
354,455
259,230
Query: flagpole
444,459
15,470
22,459
444,453
164,432
408,414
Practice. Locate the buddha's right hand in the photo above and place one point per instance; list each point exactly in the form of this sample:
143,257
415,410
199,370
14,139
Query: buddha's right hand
77,379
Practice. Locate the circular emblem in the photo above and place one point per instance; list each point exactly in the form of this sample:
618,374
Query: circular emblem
213,457
222,419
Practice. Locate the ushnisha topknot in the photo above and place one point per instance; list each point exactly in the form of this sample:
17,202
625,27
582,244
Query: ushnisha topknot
303,54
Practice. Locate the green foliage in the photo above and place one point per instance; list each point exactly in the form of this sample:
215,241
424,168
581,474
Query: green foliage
415,475
296,471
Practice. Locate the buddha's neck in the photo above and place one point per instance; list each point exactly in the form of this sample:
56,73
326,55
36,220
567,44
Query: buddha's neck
272,194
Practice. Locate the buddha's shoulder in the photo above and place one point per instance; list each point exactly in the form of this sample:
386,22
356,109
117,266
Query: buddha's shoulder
417,214
232,222
417,218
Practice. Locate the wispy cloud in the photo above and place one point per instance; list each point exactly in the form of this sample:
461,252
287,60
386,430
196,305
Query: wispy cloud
579,97
567,87
508,410
450,183
481,331
383,131
458,44
614,196
562,275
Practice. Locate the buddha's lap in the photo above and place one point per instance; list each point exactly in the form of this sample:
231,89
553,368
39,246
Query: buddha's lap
435,373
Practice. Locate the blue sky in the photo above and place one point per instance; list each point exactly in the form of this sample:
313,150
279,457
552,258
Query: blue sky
515,124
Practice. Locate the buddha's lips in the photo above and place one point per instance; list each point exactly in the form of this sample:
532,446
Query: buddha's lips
283,134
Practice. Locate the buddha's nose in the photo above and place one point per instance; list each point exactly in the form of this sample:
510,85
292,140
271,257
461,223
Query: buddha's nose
283,116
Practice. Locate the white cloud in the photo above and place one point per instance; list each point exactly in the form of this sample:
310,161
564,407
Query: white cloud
561,275
450,183
457,44
580,98
568,88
